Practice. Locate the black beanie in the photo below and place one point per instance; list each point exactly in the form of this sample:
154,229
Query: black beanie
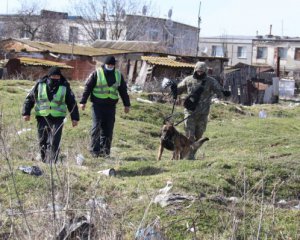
54,71
110,60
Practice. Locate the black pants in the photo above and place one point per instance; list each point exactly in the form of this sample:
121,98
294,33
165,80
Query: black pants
49,134
102,129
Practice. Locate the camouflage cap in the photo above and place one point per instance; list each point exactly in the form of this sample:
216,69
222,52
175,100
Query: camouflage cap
200,66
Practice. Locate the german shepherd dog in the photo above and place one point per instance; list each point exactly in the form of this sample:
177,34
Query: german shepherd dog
175,141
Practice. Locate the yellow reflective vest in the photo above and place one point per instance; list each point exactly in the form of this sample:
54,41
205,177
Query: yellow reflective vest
56,108
102,90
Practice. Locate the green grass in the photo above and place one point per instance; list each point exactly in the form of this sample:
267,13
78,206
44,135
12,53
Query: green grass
244,154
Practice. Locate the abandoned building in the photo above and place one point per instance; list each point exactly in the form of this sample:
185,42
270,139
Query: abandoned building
251,84
60,27
79,58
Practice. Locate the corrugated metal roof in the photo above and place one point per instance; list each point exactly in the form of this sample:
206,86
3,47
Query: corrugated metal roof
42,62
59,48
231,70
165,61
240,64
133,46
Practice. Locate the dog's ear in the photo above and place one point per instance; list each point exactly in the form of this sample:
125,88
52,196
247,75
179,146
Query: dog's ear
167,122
171,128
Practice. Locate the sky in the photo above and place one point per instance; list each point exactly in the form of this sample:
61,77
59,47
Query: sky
218,17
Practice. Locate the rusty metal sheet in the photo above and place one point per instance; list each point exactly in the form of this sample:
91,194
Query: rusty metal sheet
18,45
165,61
42,62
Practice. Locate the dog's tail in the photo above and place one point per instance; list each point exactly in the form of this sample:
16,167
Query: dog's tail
199,143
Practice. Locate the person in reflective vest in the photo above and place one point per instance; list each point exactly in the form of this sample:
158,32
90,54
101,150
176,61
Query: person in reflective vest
51,97
104,86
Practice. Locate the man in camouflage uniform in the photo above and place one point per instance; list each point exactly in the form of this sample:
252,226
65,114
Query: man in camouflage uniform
196,120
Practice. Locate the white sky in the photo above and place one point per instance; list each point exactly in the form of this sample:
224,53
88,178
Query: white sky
219,17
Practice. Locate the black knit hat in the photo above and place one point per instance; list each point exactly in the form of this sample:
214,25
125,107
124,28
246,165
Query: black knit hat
110,60
54,71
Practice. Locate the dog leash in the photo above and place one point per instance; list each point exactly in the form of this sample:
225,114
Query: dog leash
184,118
167,118
172,113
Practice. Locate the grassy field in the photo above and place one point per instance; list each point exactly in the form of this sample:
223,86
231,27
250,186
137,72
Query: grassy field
234,187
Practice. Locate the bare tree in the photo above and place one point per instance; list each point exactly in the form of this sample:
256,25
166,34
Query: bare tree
29,22
51,30
143,28
103,19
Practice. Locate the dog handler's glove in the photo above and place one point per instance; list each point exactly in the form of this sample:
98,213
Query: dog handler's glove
190,103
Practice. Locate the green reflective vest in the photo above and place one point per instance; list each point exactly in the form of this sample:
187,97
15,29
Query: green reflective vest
102,90
56,108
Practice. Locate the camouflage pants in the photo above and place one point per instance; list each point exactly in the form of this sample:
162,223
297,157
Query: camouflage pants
195,126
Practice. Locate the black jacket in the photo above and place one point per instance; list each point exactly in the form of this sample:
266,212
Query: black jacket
110,78
51,90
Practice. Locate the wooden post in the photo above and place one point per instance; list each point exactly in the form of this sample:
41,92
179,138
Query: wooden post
278,67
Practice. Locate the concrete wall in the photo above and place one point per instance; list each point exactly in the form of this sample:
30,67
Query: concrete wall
230,46
288,64
180,39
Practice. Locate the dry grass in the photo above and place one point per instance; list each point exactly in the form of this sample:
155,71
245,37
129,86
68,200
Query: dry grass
252,159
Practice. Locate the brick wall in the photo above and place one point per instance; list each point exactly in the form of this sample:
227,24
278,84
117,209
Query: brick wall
82,69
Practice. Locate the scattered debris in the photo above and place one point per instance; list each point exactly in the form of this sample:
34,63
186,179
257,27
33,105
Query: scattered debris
159,97
233,199
77,228
218,101
23,131
34,170
239,110
167,188
218,199
57,207
79,159
223,200
96,203
108,172
164,198
282,202
191,229
13,212
148,233
297,207
171,198
144,100
292,204
262,114
136,89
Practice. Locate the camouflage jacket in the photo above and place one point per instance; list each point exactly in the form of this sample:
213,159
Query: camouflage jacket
211,87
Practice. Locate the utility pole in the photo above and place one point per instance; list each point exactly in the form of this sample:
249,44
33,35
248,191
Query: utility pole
199,21
6,7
